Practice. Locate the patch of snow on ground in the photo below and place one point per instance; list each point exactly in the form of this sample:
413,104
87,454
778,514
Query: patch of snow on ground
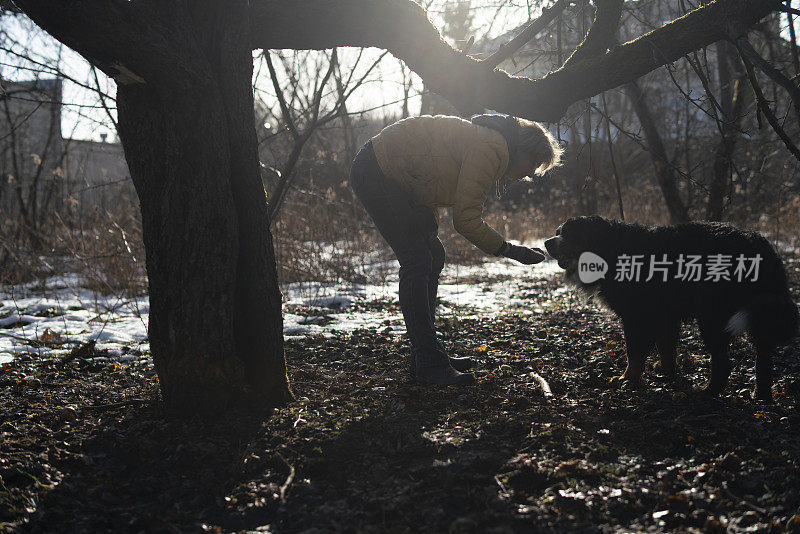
62,315
56,315
786,247
487,289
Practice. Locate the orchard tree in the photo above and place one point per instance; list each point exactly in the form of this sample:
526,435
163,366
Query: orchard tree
186,122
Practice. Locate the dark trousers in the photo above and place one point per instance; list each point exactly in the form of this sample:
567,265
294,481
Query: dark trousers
410,230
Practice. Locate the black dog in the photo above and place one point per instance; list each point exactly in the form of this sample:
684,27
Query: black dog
728,279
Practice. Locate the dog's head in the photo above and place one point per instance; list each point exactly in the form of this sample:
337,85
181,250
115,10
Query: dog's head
576,236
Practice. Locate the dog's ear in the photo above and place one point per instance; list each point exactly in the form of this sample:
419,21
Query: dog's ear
571,224
586,232
600,222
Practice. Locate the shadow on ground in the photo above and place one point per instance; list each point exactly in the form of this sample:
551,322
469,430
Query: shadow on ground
365,450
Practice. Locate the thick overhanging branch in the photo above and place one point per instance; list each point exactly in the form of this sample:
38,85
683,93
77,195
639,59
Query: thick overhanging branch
129,41
153,43
602,33
403,28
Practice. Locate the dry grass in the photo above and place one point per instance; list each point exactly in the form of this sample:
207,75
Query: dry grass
324,234
103,247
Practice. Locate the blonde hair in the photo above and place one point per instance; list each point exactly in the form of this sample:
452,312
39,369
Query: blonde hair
534,139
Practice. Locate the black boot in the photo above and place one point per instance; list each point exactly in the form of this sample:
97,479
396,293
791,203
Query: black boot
434,368
443,376
461,365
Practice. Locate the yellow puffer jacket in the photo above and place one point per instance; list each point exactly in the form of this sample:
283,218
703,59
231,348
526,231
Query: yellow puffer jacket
446,161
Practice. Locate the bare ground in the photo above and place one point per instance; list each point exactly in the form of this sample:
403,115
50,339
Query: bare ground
85,447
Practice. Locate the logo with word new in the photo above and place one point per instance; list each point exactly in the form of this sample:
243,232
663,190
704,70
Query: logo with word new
591,267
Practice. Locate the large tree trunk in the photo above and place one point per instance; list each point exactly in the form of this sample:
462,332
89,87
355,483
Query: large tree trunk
215,306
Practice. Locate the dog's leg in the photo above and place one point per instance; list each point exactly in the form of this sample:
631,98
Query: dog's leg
667,344
764,350
716,340
639,342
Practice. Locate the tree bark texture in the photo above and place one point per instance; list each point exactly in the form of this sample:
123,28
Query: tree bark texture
215,323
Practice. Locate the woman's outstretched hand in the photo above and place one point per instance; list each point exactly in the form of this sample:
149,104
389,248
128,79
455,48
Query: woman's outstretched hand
524,255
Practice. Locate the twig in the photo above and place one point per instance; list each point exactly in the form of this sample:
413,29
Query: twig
765,109
530,31
299,418
542,383
613,161
101,96
502,486
793,41
787,9
279,194
698,70
633,137
776,75
111,406
32,342
289,478
287,115
468,46
747,504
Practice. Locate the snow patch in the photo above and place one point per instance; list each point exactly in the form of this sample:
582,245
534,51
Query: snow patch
61,313
334,302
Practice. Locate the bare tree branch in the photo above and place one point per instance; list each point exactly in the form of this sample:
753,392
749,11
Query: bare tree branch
791,10
287,114
53,70
763,106
530,31
403,28
601,34
766,67
613,159
124,39
282,188
318,96
102,96
793,42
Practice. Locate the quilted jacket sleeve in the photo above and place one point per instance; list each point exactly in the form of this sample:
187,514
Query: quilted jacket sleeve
479,170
